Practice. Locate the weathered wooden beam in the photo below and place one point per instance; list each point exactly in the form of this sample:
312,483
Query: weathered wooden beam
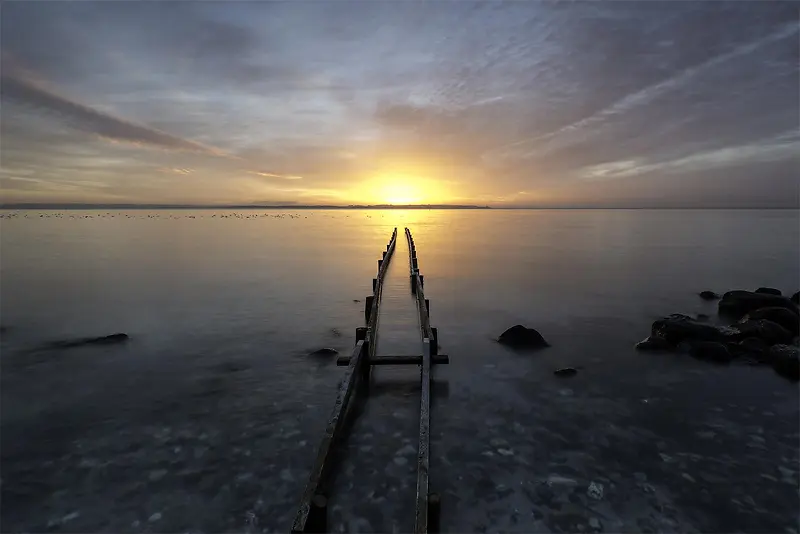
318,515
321,465
434,513
311,515
369,301
438,359
423,452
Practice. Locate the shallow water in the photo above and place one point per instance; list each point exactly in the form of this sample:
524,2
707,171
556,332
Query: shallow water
209,418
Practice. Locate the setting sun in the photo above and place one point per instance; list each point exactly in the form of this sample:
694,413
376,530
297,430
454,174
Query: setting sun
401,188
400,194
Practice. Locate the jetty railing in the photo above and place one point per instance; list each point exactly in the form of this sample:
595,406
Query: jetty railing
313,510
426,517
311,515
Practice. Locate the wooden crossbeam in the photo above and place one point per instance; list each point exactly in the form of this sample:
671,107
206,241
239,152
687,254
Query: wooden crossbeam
439,359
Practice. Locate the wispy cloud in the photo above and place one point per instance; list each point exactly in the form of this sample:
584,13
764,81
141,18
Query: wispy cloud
541,144
778,148
265,174
180,171
15,86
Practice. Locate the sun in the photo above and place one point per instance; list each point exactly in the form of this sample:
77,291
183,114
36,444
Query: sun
395,193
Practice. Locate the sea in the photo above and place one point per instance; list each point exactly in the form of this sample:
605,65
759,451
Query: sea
209,418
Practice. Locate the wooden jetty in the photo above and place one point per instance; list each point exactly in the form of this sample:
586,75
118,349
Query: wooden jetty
312,512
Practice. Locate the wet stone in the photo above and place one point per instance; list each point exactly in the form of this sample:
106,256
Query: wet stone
595,490
157,475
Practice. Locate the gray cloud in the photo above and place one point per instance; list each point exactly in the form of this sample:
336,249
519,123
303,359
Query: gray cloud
514,100
14,88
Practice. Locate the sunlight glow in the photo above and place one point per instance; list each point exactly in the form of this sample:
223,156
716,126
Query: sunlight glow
399,193
401,188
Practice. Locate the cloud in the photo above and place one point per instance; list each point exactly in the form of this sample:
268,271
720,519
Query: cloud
543,143
181,171
273,175
18,88
782,147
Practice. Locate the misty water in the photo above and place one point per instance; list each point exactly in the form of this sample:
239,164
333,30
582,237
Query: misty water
209,418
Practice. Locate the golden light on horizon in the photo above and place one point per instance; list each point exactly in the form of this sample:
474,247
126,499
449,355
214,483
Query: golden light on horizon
400,193
399,188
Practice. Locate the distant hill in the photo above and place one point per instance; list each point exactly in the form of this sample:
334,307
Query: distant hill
31,206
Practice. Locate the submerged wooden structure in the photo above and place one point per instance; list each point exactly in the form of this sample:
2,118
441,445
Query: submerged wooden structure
312,512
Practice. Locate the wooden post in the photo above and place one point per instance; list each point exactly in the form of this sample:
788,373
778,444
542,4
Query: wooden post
318,515
413,283
361,333
374,285
414,263
428,306
435,341
365,366
384,253
434,513
380,262
421,280
368,307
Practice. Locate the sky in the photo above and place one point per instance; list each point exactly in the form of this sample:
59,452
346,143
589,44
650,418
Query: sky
523,103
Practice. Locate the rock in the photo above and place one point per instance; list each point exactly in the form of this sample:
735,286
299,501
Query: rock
566,371
782,316
324,352
594,523
785,361
104,340
155,517
796,298
753,345
650,343
70,516
559,481
768,331
676,328
738,303
708,295
520,337
356,300
335,332
595,490
710,351
157,475
769,291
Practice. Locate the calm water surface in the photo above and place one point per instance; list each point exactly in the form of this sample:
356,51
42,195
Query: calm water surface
209,418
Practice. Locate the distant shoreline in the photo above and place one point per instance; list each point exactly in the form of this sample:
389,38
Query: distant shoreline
365,207
238,207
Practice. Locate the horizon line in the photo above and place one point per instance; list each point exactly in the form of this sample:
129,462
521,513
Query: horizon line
118,206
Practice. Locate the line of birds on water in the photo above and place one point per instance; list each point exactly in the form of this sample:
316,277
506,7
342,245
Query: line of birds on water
25,215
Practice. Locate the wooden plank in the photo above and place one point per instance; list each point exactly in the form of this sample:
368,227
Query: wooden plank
438,359
423,452
312,511
332,431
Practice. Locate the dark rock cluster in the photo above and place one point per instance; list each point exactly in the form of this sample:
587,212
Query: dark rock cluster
763,328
